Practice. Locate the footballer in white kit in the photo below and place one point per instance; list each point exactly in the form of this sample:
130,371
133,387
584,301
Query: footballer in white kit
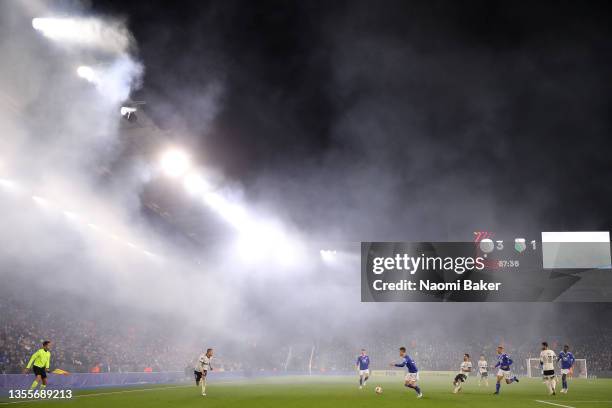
202,368
464,370
483,371
547,362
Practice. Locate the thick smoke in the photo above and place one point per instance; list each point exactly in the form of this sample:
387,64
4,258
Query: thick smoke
73,220
68,226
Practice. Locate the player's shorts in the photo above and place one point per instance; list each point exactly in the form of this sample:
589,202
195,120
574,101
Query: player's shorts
548,374
460,377
411,377
198,375
484,374
565,371
39,371
364,372
507,374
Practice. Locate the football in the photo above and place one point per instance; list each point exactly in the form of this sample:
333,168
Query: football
378,389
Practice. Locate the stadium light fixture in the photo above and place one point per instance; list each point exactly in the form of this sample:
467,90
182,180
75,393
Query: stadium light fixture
87,73
129,113
56,28
327,254
175,163
90,32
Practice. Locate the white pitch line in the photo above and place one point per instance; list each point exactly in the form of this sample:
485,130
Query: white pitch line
555,404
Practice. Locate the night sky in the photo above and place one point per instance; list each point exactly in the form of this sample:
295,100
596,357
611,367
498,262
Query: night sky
495,107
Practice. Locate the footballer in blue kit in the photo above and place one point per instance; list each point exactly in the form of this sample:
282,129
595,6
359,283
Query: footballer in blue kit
503,362
412,375
566,359
363,365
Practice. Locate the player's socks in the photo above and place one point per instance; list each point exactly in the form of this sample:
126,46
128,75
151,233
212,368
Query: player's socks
360,381
34,385
418,390
365,380
414,387
497,387
42,387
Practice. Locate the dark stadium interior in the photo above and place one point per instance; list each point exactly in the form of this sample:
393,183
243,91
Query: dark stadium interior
333,122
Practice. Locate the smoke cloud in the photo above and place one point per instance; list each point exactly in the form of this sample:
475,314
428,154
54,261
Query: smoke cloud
73,192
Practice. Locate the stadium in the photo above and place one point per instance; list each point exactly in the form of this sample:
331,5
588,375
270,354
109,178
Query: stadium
305,203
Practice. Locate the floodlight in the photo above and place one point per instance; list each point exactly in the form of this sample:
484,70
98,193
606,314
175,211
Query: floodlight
87,73
129,113
175,163
327,254
88,32
57,28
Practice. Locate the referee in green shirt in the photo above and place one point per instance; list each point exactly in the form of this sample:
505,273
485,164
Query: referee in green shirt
39,363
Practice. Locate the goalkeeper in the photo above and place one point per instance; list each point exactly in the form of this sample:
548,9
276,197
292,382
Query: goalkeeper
39,362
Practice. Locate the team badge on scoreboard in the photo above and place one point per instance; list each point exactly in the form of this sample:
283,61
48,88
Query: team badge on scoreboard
519,244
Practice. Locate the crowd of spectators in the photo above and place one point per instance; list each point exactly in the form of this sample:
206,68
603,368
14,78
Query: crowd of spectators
83,343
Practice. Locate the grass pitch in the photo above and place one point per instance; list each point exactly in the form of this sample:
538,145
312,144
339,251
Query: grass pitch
331,391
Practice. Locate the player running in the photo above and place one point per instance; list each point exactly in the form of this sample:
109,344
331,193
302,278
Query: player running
547,362
39,362
483,371
464,370
412,376
503,362
201,369
566,358
363,364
